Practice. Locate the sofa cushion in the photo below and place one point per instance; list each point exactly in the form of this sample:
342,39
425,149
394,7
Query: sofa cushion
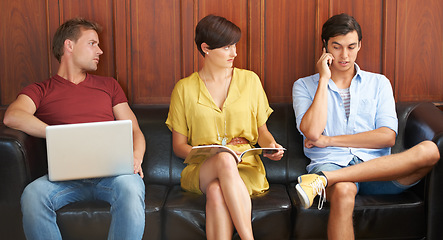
185,213
95,216
398,216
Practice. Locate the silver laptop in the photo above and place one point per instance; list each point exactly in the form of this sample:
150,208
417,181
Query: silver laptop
89,150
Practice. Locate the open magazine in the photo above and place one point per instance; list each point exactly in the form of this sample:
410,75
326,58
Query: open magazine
200,153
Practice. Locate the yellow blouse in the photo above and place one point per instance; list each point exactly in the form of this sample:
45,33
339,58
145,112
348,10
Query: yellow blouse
194,114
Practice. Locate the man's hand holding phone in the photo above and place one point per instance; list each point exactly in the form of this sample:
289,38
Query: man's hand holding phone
323,64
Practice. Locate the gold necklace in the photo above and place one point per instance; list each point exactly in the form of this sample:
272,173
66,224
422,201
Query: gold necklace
219,138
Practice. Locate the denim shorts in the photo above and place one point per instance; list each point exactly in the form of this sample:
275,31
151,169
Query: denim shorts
366,188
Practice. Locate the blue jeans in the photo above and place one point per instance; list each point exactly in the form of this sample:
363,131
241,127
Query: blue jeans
366,188
42,198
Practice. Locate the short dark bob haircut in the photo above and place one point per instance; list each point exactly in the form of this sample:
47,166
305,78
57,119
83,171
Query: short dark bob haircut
340,24
217,32
71,30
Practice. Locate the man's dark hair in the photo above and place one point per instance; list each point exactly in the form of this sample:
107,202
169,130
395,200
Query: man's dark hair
217,32
340,24
71,30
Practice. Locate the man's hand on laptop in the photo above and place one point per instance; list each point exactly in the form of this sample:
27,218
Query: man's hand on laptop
138,166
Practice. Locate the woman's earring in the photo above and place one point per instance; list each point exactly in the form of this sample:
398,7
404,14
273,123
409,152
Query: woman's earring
207,53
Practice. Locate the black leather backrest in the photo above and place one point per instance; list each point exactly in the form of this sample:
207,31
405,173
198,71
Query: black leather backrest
162,166
416,128
403,112
157,161
282,125
23,159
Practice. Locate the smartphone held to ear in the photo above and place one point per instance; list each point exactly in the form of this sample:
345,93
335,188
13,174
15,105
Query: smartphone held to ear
325,45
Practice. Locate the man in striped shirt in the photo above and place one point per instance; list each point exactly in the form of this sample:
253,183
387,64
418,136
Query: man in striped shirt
348,120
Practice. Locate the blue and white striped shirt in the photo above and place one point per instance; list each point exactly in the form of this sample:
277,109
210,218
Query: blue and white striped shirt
345,95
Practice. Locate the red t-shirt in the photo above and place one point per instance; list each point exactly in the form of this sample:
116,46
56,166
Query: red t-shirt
58,101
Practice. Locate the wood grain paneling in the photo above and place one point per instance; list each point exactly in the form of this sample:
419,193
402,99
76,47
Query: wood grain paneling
389,41
420,50
238,14
23,46
100,11
189,56
149,44
289,46
255,37
155,40
369,14
323,13
122,39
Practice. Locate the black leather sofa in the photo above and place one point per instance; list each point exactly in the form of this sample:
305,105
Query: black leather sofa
174,214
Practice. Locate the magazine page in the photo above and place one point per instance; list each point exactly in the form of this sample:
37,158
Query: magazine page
258,151
200,153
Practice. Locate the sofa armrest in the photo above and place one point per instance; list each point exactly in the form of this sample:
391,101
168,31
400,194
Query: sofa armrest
23,158
425,122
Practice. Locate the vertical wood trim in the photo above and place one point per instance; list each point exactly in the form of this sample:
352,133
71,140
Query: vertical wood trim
182,40
255,37
60,11
121,59
262,38
187,32
177,48
196,19
323,11
399,53
128,69
54,19
389,43
249,34
134,7
317,28
48,42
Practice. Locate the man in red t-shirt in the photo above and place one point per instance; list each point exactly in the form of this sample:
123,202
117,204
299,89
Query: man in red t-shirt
74,96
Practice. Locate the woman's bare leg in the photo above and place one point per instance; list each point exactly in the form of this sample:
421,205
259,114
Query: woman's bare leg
218,220
222,169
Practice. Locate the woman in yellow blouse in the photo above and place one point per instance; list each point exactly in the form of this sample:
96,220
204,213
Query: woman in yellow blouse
222,105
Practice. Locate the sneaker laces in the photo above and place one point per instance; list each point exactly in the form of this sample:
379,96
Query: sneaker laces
319,189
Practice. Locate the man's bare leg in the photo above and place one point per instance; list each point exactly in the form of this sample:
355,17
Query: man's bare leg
342,199
406,167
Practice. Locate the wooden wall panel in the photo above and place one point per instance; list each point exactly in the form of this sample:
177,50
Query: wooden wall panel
323,13
237,15
255,37
289,46
122,47
24,50
369,14
101,12
155,40
189,56
389,42
149,45
420,50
